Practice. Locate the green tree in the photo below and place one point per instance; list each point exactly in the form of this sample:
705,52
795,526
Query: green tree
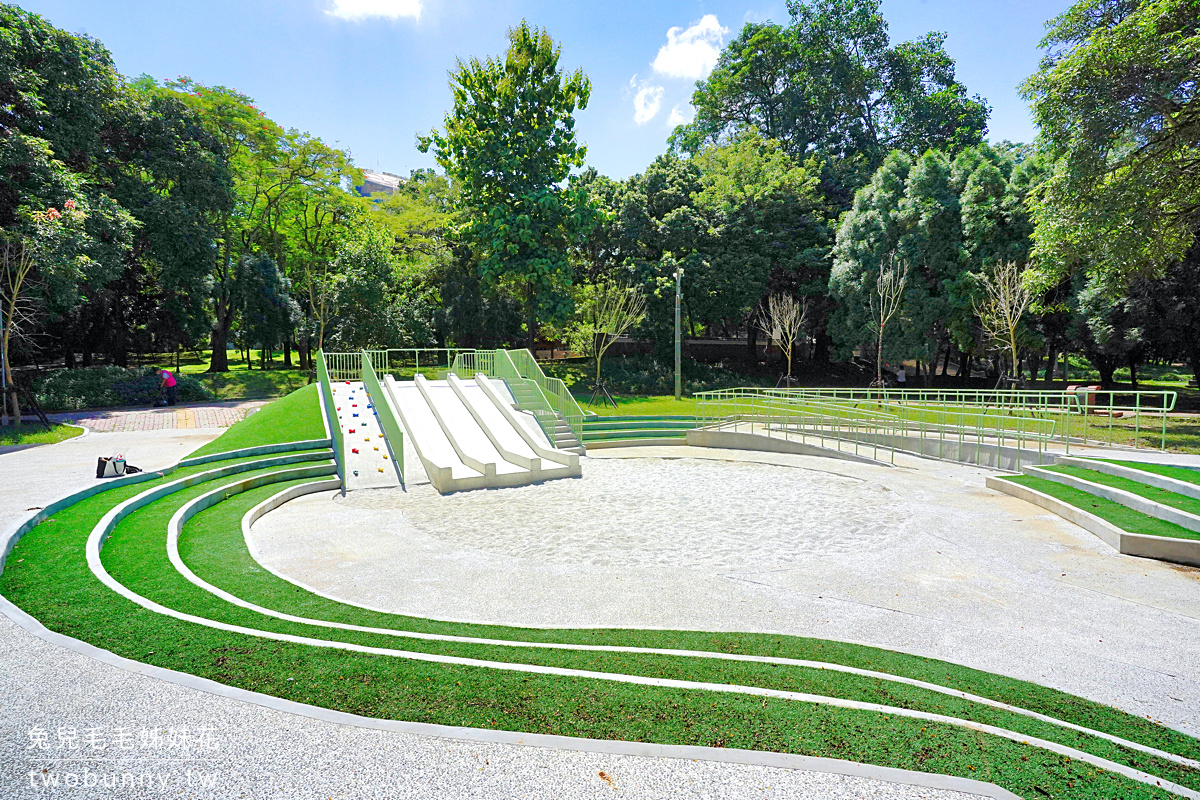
247,139
1118,107
833,84
268,312
508,146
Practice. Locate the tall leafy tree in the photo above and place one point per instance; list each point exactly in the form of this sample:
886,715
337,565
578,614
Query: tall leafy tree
831,82
508,145
60,102
1117,99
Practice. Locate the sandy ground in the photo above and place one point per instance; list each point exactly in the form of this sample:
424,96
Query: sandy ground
920,557
226,748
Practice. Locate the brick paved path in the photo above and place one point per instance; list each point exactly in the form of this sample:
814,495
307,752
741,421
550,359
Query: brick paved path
213,415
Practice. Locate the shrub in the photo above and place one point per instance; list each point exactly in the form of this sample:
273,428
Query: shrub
101,387
640,374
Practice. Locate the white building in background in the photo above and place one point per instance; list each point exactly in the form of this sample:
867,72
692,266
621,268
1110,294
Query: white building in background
378,182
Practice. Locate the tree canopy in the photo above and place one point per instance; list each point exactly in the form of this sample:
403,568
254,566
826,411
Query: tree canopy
508,145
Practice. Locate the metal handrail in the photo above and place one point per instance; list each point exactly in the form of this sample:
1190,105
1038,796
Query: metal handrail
335,427
393,433
982,413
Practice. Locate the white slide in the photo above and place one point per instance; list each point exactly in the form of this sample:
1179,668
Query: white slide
520,424
468,436
442,464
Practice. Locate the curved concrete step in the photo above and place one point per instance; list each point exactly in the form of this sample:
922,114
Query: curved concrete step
1161,548
1140,475
1130,500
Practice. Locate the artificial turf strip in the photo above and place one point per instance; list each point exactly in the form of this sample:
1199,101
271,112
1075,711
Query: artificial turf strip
1166,470
52,582
145,569
1166,497
201,541
213,547
294,418
1123,517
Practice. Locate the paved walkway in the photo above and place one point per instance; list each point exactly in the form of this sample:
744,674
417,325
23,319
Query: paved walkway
208,415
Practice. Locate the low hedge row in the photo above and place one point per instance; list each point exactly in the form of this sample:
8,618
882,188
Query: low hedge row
101,387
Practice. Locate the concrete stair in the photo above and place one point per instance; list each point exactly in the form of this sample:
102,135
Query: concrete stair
1125,504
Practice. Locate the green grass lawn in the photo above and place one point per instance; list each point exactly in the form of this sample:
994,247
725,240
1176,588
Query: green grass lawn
294,418
640,405
1124,518
1166,497
1166,470
36,433
243,381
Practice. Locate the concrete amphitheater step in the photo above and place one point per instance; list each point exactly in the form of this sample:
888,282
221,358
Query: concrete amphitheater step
1129,499
1125,539
1186,488
220,494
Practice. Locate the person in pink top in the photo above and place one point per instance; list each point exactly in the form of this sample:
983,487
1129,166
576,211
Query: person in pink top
168,384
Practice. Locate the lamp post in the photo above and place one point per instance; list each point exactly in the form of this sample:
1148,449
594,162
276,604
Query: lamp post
678,351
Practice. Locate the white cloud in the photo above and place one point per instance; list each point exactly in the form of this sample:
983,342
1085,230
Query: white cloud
677,117
691,53
357,10
647,101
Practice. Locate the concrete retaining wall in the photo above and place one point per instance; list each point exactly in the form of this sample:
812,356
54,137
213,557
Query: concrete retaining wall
731,440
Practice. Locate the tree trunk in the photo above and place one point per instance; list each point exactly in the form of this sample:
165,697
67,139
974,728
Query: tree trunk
1133,374
219,343
531,320
287,353
946,359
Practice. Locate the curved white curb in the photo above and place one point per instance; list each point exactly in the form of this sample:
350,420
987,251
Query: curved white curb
106,524
606,746
193,507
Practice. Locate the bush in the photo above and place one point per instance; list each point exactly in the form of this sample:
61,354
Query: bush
1169,376
643,375
101,387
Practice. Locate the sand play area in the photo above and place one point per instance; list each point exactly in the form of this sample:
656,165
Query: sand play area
919,557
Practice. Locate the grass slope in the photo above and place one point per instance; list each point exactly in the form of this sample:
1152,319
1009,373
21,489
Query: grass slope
294,418
35,433
1124,518
1163,496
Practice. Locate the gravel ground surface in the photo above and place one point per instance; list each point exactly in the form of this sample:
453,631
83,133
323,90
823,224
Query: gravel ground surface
920,558
158,739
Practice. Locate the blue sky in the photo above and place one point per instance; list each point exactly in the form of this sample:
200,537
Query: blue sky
371,74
